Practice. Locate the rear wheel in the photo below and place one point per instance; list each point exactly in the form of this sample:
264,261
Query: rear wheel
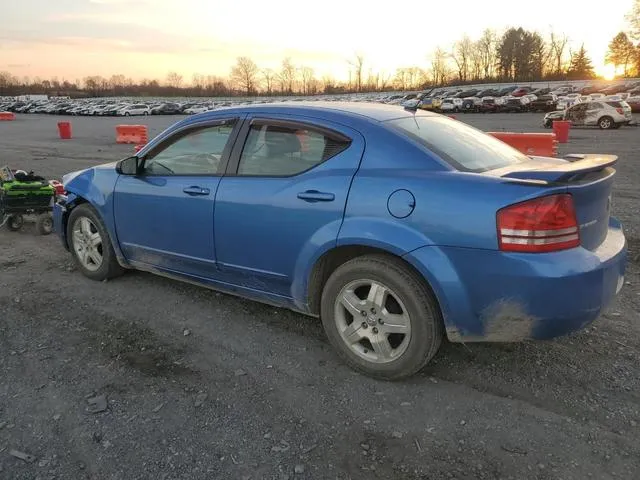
90,244
15,222
44,224
381,317
606,123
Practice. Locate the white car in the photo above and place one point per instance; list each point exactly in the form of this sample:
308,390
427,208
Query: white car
451,104
604,114
562,90
199,109
135,109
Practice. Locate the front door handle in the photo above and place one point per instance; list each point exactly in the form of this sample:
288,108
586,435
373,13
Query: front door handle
195,190
316,196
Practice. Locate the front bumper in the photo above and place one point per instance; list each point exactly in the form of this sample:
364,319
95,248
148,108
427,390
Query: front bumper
493,296
59,220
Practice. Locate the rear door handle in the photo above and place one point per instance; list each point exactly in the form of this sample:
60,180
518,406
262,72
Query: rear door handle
195,190
316,196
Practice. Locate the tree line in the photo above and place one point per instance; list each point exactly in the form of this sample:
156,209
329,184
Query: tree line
516,55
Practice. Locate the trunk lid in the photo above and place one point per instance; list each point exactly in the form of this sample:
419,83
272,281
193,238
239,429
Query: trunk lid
587,177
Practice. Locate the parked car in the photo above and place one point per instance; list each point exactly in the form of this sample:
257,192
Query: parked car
199,109
634,104
544,103
489,105
451,105
166,109
135,109
513,104
390,263
604,114
521,91
471,104
541,91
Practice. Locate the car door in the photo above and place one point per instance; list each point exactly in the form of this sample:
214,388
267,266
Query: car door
164,214
283,198
593,112
577,113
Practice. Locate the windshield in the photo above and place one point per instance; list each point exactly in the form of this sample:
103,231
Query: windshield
463,147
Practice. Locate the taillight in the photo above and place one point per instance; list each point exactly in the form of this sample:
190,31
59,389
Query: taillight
620,111
544,224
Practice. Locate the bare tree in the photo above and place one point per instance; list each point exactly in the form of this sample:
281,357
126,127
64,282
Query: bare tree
439,67
557,50
174,79
244,73
385,79
287,76
633,17
486,47
269,77
461,55
198,81
357,64
306,74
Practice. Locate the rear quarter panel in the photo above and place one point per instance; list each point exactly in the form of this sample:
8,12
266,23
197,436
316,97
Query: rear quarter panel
451,208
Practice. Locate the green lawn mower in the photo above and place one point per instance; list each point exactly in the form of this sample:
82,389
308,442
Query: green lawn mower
25,194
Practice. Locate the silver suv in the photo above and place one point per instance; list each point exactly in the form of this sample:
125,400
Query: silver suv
603,113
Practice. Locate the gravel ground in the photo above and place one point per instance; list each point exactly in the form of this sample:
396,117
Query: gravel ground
147,378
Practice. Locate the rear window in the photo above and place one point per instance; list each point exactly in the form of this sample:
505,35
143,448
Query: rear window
616,104
463,147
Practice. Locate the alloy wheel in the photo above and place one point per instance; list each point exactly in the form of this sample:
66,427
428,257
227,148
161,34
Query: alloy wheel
87,244
372,321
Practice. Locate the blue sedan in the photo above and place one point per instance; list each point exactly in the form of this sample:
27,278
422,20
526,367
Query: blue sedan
396,227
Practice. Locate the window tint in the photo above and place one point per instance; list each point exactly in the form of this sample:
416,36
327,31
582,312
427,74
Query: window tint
197,152
278,151
464,147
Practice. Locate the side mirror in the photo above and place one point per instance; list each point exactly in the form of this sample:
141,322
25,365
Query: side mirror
128,166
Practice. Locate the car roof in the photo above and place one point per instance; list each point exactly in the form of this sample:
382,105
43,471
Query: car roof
330,110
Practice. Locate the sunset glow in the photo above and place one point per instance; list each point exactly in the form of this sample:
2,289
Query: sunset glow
148,38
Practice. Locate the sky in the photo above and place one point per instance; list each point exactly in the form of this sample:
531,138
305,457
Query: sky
71,39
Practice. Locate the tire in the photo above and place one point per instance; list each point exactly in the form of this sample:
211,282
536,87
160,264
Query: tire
127,114
406,293
44,224
80,240
15,222
605,123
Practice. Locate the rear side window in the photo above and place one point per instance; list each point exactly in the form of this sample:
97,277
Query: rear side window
463,147
614,104
274,150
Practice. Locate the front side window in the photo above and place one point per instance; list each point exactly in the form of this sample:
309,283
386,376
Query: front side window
287,150
463,147
196,152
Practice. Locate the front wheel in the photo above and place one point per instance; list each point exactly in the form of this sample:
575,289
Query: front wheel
381,317
90,244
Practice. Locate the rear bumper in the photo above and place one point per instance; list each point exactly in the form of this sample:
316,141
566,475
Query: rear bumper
492,296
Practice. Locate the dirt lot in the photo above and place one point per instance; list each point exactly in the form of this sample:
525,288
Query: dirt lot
201,385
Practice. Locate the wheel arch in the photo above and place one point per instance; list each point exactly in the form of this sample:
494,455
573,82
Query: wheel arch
333,258
76,199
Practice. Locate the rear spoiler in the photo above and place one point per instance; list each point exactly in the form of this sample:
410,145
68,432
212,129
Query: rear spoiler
553,170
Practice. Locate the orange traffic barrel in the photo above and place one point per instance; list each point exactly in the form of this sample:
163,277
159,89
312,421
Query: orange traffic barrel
64,129
561,129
